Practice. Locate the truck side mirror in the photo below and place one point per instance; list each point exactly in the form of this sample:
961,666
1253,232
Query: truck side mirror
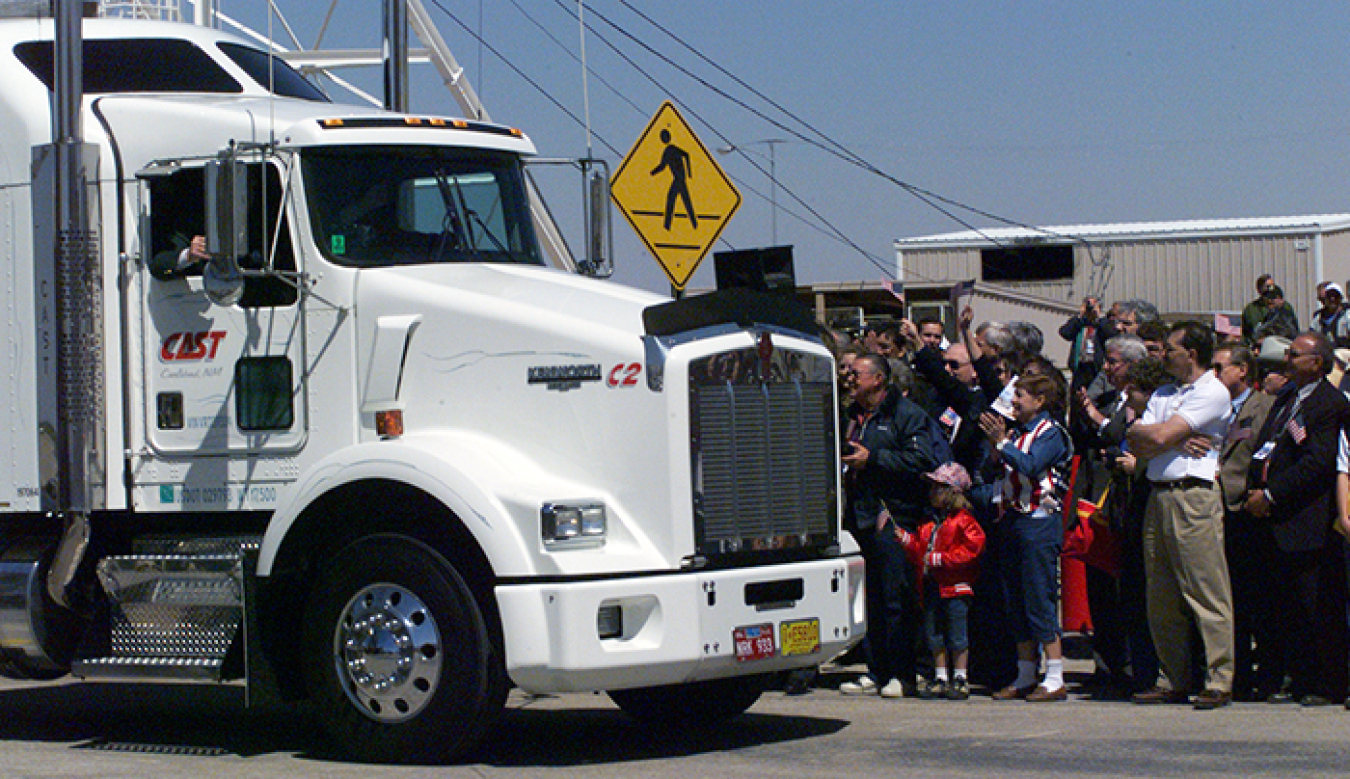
599,235
226,227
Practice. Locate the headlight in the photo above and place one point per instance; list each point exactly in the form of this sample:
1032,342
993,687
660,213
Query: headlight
572,524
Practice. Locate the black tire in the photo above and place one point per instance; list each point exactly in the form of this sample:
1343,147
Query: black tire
397,656
693,705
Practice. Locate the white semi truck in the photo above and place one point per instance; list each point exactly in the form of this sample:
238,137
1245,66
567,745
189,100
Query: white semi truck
375,453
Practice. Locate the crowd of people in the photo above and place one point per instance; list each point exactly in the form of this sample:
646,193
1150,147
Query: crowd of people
1202,479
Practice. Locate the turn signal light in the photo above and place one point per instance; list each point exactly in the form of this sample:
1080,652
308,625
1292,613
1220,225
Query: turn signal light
389,424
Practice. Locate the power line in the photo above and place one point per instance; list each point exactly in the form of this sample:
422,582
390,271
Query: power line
642,112
569,114
836,232
554,39
834,147
829,230
538,87
853,159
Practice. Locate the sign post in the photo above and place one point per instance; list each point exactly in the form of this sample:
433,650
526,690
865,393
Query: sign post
674,194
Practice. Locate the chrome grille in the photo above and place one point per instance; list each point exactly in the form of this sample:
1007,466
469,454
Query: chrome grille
764,452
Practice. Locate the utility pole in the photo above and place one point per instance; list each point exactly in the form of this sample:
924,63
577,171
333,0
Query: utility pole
772,156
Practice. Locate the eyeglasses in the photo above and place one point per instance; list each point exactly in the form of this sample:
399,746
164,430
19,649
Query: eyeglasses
955,364
1291,354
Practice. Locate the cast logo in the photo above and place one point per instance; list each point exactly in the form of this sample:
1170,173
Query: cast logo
191,347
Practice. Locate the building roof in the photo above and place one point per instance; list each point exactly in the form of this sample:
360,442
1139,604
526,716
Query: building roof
1208,228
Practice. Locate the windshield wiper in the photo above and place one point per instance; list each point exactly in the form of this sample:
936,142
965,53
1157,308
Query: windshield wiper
452,227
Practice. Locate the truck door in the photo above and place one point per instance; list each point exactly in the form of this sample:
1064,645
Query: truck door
220,379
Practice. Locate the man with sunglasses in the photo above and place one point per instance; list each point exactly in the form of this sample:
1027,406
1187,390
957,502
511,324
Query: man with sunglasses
886,454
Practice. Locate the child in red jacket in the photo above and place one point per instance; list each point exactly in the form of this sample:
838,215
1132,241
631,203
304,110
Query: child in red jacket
944,554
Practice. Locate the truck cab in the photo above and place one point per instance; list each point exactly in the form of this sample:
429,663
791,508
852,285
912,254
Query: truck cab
372,450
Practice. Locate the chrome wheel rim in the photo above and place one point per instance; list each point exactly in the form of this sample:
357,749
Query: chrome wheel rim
388,651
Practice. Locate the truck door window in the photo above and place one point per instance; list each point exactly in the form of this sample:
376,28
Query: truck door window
177,214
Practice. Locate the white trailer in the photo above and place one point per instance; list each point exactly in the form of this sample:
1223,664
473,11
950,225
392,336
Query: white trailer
375,453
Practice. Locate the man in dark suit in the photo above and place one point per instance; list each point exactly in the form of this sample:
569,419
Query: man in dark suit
1291,485
1248,545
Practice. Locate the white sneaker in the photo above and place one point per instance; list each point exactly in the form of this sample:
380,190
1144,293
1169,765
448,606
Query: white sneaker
865,685
893,689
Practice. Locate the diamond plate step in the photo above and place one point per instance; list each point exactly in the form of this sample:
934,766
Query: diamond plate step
175,609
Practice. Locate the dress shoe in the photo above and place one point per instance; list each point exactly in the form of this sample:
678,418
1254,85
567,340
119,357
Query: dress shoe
1042,695
1313,699
1159,695
1213,699
1011,693
1281,697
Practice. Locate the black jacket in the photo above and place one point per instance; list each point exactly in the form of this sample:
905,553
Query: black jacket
899,455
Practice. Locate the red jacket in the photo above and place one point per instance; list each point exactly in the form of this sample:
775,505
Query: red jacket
951,558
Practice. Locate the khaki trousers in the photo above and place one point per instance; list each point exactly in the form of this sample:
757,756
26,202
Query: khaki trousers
1188,578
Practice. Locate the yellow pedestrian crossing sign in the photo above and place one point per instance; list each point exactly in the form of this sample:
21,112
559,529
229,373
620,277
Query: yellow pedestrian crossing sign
674,194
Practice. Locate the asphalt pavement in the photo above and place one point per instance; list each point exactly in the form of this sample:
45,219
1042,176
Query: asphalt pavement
75,729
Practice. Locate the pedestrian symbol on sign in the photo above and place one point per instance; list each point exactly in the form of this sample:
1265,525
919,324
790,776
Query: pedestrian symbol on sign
676,160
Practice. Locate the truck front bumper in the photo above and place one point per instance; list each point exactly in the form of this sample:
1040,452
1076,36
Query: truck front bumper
681,627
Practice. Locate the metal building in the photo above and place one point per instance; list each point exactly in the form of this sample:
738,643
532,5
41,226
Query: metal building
1185,266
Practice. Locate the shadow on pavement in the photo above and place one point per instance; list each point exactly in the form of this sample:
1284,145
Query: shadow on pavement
597,736
207,721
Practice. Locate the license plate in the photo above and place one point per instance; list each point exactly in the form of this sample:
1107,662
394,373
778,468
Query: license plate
799,637
754,642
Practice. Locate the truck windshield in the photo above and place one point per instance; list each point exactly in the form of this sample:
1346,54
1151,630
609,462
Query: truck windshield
377,206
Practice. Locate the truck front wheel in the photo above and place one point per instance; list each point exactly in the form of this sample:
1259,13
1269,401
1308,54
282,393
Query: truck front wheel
692,705
398,657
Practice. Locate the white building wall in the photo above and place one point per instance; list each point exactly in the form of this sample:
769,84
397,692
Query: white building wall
1195,272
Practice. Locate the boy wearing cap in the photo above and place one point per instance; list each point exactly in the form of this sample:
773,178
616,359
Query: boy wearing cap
1330,319
944,553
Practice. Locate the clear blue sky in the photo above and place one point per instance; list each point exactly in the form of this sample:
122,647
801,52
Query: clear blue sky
1045,113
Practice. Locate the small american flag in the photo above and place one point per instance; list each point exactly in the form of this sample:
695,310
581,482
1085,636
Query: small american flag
1296,429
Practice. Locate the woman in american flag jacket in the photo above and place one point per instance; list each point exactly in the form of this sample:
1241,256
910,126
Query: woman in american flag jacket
1034,453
